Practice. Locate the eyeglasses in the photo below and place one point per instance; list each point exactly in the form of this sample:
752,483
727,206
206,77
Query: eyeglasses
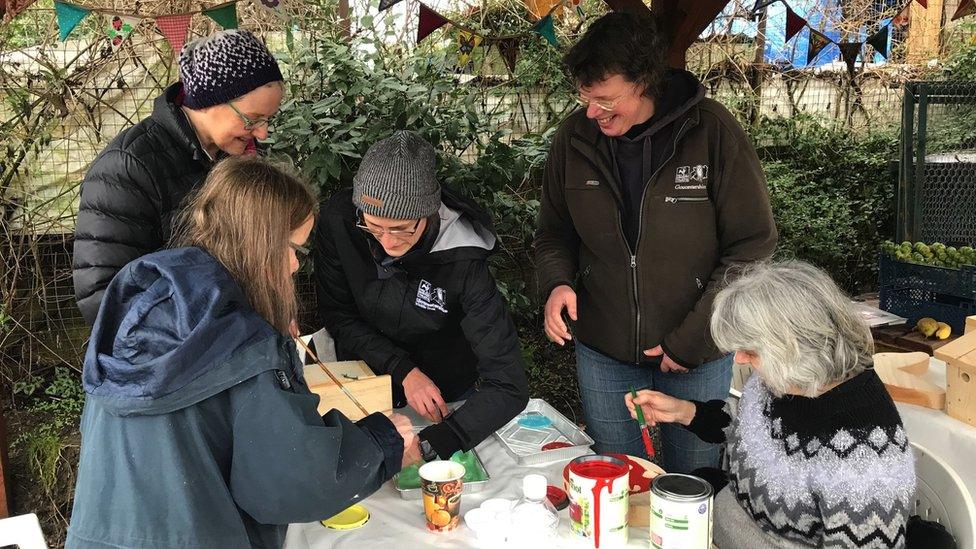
300,251
395,233
249,123
605,105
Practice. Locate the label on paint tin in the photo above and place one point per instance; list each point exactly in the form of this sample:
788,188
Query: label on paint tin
681,521
599,499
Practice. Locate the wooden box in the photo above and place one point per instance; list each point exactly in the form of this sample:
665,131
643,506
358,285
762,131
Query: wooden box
960,358
373,392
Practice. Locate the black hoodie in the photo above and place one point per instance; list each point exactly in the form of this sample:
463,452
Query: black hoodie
437,308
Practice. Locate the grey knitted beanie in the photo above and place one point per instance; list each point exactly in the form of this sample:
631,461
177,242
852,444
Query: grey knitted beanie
397,178
224,66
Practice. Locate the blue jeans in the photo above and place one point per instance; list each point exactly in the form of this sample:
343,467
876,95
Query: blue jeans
603,382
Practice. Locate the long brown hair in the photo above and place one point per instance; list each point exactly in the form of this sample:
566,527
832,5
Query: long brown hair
243,215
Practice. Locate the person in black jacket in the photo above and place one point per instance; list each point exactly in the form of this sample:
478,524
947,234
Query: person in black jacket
229,86
403,284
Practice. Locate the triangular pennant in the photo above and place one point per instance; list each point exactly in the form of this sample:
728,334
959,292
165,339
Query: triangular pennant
467,42
509,50
760,4
120,27
816,43
271,5
430,21
903,17
879,40
69,16
966,7
225,16
794,24
546,28
174,28
923,3
387,4
849,52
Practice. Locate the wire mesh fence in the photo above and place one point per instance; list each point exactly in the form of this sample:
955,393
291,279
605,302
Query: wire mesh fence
62,102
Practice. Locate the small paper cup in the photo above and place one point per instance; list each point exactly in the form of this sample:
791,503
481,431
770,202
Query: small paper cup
441,483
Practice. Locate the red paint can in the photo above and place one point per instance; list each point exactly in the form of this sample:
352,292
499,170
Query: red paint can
599,499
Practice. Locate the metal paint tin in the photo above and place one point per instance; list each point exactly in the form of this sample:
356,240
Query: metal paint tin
681,512
599,499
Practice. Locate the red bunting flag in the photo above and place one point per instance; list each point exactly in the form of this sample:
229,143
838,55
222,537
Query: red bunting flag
174,28
794,23
966,7
430,21
923,3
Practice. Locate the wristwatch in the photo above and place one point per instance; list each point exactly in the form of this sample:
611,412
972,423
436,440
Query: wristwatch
427,451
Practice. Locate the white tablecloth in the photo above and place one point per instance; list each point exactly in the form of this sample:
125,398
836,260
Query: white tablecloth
397,523
949,439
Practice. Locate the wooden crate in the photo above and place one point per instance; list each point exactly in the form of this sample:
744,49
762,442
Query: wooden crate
960,359
373,391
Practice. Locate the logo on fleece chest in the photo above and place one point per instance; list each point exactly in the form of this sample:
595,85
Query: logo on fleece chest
430,297
691,174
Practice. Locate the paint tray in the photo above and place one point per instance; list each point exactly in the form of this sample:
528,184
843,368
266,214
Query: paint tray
407,481
524,442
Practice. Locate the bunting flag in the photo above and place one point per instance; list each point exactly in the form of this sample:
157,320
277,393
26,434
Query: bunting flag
923,3
966,7
68,18
817,42
794,23
467,42
508,48
175,28
430,21
849,52
903,17
879,40
387,4
225,16
760,4
545,28
120,27
271,5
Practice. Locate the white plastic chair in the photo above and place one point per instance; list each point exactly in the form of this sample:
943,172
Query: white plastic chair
941,496
24,531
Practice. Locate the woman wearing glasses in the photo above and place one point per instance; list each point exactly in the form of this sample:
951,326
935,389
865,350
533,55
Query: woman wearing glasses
403,284
650,193
229,87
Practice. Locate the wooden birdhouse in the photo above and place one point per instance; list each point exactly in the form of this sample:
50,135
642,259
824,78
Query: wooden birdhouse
960,358
373,391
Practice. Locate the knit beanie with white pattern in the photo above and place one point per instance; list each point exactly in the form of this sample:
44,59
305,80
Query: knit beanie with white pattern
224,66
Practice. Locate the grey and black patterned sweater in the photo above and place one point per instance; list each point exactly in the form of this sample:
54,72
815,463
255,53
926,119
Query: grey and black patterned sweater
830,471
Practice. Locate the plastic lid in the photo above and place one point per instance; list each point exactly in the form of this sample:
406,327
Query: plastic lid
534,486
350,519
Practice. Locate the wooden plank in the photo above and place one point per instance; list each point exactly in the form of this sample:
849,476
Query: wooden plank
905,339
374,393
900,374
970,323
345,370
961,395
957,348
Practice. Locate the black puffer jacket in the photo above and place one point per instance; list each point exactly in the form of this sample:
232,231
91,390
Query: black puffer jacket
130,194
436,308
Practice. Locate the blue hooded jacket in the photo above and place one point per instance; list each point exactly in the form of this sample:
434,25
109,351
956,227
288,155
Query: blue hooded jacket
198,429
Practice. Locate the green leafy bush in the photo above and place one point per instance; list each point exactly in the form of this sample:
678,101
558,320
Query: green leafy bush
832,194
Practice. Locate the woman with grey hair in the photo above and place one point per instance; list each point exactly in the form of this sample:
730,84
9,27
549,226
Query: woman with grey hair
817,454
